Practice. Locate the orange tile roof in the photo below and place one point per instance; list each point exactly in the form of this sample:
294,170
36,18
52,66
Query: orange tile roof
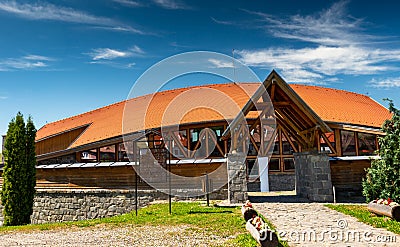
341,106
106,122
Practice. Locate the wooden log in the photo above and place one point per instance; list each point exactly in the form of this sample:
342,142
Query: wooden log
248,213
382,209
267,238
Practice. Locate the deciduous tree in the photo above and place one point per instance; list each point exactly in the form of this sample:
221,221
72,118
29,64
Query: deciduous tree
383,177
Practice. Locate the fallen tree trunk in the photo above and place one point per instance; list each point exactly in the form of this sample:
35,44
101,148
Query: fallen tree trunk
248,213
382,209
266,238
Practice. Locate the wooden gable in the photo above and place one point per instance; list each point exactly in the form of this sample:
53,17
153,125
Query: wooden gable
289,110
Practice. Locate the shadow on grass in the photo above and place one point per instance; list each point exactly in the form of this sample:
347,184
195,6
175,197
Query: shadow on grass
202,212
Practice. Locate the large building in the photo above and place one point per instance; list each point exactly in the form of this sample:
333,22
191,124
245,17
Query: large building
88,150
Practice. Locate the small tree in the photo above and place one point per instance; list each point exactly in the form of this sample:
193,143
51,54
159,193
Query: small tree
19,172
383,177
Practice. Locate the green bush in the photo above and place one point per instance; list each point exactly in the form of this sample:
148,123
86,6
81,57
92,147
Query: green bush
383,177
19,174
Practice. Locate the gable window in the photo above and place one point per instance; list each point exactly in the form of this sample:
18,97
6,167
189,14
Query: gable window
89,155
325,140
348,143
107,154
122,152
366,144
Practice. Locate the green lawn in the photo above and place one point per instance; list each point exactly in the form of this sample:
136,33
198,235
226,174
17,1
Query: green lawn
216,220
362,214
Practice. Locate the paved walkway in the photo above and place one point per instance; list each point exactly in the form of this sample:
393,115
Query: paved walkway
313,224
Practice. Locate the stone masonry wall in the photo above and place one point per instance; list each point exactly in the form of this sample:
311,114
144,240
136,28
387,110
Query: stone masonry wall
277,182
313,176
58,206
237,185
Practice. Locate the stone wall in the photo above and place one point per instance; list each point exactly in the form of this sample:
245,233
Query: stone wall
237,182
313,176
58,206
277,182
282,182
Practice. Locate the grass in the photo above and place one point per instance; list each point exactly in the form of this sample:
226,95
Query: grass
362,214
216,220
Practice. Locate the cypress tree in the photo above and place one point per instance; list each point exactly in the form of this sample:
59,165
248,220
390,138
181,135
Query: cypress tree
31,168
19,171
383,177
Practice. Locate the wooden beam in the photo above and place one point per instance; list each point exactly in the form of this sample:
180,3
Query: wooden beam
272,95
302,142
281,103
293,126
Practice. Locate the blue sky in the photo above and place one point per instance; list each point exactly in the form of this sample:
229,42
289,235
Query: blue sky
62,58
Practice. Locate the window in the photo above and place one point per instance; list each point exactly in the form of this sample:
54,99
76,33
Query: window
218,133
366,144
348,143
287,147
89,155
107,154
194,138
276,144
274,165
252,168
179,144
288,164
122,152
255,134
324,146
157,141
252,150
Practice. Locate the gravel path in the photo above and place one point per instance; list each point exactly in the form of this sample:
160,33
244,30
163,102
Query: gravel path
313,224
105,235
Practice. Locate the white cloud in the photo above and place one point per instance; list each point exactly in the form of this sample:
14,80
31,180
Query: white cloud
221,64
338,47
114,64
171,4
3,97
329,27
223,22
47,11
107,53
129,3
28,62
386,83
100,54
321,61
38,57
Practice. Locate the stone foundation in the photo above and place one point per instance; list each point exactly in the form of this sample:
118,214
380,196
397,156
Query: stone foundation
71,205
59,206
313,176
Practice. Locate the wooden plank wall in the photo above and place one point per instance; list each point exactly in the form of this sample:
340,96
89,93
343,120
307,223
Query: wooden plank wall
347,175
58,142
110,178
122,177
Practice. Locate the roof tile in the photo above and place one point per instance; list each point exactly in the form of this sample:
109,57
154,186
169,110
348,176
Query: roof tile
330,104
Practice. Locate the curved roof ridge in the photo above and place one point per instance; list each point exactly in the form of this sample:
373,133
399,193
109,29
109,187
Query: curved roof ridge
88,120
142,96
328,88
